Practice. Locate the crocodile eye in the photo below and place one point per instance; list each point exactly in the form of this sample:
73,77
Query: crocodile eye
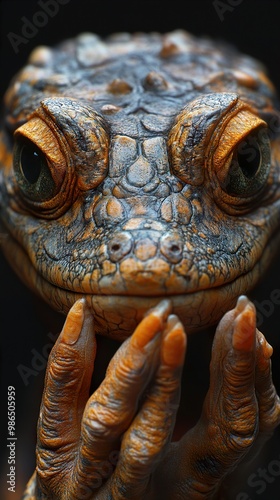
31,163
32,171
249,165
249,157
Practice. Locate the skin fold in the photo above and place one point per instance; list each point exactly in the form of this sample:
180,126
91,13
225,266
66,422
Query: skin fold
140,196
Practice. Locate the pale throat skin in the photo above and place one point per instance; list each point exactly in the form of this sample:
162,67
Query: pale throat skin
139,199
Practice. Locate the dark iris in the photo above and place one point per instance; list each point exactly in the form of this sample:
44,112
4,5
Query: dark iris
31,164
32,171
249,157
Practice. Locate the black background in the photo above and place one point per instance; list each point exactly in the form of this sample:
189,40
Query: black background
253,26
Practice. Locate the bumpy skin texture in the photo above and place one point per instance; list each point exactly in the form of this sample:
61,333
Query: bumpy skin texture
146,167
138,133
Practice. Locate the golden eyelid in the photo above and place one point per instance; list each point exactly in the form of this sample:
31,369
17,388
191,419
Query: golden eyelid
235,131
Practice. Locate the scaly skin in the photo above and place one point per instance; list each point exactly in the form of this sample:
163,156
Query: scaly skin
77,436
158,179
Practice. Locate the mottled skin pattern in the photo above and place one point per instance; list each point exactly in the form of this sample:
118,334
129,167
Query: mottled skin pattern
143,194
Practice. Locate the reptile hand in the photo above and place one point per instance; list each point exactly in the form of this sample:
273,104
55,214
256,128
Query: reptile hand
76,450
241,409
78,440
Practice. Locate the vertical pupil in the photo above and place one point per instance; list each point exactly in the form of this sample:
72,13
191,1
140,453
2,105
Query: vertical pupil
31,164
249,157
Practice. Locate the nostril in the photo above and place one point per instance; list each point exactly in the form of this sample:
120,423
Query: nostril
175,249
115,247
171,247
119,246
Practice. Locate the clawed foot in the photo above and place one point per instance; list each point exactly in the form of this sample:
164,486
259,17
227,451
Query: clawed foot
241,405
79,439
116,444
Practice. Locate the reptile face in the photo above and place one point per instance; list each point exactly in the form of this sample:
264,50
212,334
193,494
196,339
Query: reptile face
139,168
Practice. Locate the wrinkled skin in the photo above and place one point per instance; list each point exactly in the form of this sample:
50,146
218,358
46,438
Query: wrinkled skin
78,437
142,195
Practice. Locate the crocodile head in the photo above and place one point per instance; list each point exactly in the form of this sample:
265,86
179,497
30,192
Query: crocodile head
139,168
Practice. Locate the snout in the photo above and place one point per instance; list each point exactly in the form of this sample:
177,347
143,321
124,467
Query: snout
145,262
